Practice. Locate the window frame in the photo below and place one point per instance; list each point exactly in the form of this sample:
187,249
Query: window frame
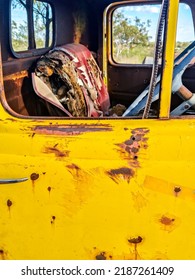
111,58
35,51
109,29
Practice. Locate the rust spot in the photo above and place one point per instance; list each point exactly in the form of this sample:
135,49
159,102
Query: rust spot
166,221
9,203
2,254
101,256
135,240
177,190
34,176
56,152
53,218
141,130
71,129
124,173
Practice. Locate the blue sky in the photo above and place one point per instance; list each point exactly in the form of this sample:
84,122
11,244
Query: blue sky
18,15
185,31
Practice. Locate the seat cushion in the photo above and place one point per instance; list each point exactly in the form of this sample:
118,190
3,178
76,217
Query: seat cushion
69,78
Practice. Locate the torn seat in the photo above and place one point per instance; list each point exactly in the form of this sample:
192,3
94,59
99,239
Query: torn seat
69,78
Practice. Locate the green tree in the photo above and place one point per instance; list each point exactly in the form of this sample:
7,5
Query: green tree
128,33
19,36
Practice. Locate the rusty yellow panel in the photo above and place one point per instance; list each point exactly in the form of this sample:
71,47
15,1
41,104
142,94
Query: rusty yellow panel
97,189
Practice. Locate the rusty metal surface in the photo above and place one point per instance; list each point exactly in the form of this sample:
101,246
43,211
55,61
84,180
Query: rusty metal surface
71,129
96,190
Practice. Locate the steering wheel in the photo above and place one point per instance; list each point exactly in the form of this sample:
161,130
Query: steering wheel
186,56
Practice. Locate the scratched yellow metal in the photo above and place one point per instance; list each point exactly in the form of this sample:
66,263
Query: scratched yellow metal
97,189
92,194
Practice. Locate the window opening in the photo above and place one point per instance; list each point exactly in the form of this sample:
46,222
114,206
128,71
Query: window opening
31,25
134,32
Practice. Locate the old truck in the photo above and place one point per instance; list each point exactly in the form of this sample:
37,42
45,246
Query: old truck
97,122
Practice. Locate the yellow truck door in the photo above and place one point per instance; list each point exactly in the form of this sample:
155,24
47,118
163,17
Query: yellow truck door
117,188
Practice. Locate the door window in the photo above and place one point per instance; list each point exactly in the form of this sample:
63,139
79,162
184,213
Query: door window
134,32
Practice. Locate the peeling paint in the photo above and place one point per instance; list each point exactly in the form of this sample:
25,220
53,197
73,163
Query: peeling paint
56,152
124,173
131,147
129,150
71,129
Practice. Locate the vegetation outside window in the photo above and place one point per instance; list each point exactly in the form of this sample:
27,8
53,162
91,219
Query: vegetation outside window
134,32
31,25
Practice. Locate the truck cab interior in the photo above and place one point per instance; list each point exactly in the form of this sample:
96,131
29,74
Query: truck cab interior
122,40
